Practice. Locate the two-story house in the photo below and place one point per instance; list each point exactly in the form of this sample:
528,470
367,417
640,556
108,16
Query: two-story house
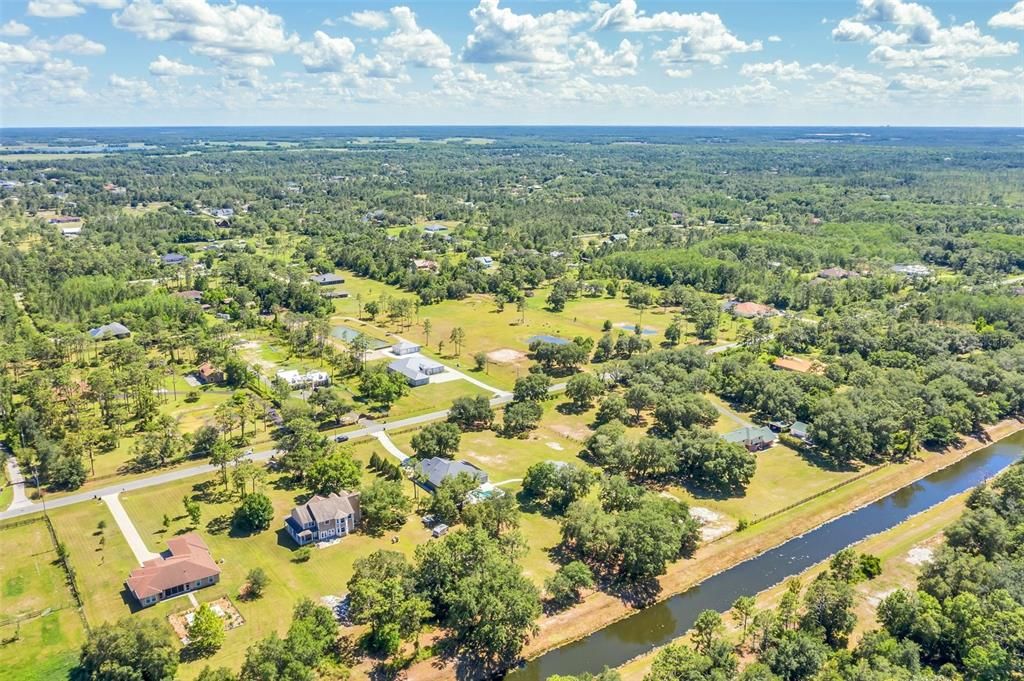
324,518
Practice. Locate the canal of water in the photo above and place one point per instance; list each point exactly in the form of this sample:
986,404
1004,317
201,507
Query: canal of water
657,625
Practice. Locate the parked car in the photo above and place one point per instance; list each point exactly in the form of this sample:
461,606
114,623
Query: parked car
439,530
429,520
341,438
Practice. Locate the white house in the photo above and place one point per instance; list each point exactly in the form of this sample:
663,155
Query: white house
404,347
417,370
299,380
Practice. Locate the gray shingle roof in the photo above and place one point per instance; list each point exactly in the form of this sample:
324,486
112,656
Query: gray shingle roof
415,368
318,509
437,470
113,329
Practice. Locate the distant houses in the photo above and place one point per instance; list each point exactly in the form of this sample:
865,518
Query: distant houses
327,279
416,369
433,472
797,364
424,265
754,438
109,331
834,273
297,379
188,567
208,374
750,310
64,220
71,232
912,270
434,229
324,518
485,260
172,259
192,296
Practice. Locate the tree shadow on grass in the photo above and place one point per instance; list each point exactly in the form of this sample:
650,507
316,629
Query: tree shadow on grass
220,524
570,408
817,459
210,492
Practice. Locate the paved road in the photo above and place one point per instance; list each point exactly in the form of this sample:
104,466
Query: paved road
205,469
17,480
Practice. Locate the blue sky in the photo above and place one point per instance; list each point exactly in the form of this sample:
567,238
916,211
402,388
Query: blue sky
649,62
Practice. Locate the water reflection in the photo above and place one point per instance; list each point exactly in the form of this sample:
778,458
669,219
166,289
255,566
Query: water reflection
659,624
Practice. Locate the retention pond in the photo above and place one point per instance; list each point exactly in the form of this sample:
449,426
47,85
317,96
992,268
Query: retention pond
631,636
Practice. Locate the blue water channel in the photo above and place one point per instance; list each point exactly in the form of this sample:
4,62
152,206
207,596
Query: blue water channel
657,625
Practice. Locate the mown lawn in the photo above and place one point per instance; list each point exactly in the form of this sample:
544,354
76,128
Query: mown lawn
6,491
32,582
326,573
101,559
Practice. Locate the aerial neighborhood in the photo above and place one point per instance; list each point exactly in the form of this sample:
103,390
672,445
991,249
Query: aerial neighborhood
585,404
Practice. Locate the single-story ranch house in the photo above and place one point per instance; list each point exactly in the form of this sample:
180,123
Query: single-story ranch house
754,438
208,373
327,279
300,380
436,470
417,370
324,518
188,567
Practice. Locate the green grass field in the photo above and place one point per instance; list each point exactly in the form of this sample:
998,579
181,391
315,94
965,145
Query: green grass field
6,491
32,584
325,574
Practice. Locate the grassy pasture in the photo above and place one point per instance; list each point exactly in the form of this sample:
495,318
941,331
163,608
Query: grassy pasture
32,584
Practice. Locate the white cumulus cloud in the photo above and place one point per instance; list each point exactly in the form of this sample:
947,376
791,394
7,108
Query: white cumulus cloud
776,69
702,37
1011,18
325,53
15,29
373,20
232,34
413,45
169,68
500,35
622,62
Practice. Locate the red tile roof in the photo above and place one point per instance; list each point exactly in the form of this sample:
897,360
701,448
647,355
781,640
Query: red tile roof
190,561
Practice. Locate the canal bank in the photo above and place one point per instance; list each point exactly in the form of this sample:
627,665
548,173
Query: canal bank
601,610
903,551
639,631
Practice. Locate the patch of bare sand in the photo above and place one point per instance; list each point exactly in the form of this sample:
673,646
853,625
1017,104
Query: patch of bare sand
712,524
555,446
493,459
577,433
506,356
875,598
919,555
